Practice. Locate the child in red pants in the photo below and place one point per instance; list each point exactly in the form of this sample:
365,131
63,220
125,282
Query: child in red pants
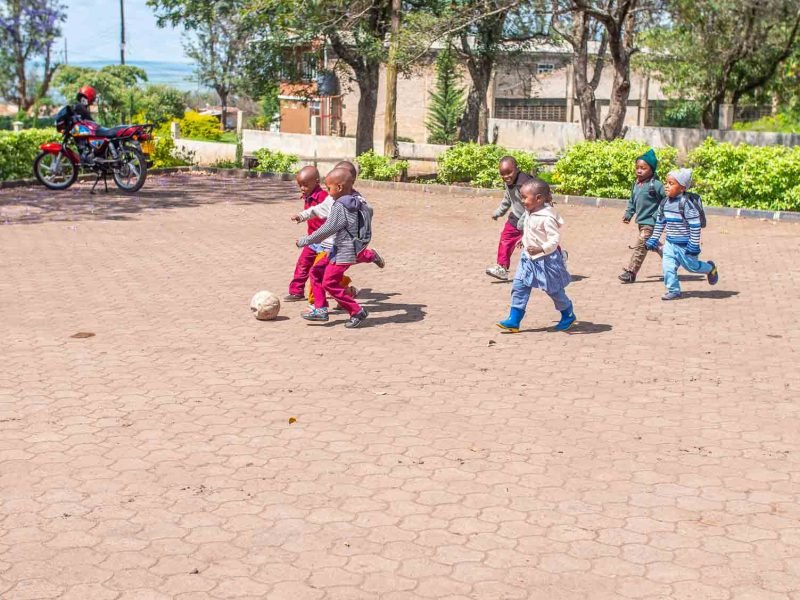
313,195
513,179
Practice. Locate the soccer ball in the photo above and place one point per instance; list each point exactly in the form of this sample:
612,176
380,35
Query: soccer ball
265,305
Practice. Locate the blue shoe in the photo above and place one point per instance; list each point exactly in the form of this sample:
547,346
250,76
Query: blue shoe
568,319
319,315
511,324
713,274
671,296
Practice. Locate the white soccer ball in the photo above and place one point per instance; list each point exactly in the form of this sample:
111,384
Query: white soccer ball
265,305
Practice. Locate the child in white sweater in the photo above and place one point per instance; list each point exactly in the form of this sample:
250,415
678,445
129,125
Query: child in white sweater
542,263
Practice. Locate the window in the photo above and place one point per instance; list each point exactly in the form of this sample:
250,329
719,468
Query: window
545,68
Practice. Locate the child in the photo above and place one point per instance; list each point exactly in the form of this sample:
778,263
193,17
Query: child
313,195
327,274
541,264
513,179
680,216
646,195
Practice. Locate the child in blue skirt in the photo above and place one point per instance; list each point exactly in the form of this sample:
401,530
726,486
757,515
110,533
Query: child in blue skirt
541,264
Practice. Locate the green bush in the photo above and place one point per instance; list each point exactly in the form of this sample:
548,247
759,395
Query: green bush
380,168
194,126
780,123
765,177
226,163
18,149
166,153
478,165
683,114
605,169
273,161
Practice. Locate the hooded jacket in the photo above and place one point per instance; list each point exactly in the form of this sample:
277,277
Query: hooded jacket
342,225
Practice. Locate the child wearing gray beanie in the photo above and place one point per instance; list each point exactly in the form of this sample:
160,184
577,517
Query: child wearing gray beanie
680,216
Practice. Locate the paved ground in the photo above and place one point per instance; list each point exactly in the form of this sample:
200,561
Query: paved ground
654,453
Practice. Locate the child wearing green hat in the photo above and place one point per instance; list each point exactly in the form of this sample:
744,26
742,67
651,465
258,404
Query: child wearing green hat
646,195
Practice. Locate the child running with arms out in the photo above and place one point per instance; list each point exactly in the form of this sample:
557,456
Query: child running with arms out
679,215
646,195
542,263
313,196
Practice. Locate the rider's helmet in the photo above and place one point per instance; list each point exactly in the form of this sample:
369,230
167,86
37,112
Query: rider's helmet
89,93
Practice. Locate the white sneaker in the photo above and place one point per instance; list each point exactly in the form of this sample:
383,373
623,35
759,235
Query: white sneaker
498,272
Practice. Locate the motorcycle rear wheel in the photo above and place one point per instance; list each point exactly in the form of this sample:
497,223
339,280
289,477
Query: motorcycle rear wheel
55,171
130,177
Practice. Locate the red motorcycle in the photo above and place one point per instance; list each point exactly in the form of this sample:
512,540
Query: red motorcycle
116,151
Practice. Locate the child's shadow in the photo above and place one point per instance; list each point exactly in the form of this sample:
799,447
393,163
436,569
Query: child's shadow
712,294
579,328
375,303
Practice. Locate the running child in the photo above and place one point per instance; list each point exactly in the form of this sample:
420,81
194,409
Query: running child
542,263
513,180
312,195
646,195
680,216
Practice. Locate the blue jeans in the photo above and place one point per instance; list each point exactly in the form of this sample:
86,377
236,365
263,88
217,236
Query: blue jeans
521,293
675,256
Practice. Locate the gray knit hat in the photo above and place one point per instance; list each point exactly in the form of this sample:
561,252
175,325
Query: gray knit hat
682,176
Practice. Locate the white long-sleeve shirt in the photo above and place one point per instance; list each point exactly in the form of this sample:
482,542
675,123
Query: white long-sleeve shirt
542,229
320,211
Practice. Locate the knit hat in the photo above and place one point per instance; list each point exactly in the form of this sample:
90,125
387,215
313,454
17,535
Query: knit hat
650,158
683,177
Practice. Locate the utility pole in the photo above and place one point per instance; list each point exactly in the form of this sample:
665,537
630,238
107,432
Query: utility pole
66,60
390,113
122,32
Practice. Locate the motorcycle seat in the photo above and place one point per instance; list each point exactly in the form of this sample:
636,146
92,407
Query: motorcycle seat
111,132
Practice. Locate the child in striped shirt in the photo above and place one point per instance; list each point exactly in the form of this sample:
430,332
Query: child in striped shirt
680,218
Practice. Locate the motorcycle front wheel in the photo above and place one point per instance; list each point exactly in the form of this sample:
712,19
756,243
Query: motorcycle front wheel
132,173
55,171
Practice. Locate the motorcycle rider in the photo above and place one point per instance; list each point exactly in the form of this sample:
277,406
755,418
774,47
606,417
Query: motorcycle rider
85,98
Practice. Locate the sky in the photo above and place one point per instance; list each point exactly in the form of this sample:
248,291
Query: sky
92,30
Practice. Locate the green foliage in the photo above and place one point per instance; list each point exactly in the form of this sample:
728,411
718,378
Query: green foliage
478,165
380,168
162,103
605,169
194,126
274,161
166,153
766,177
117,88
686,113
18,149
226,163
780,123
28,122
447,100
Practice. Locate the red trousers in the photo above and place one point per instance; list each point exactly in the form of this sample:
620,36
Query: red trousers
326,277
301,271
508,241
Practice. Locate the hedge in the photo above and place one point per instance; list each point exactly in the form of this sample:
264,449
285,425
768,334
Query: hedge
478,165
18,149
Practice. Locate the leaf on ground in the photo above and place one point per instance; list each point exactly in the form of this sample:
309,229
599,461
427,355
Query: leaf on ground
82,335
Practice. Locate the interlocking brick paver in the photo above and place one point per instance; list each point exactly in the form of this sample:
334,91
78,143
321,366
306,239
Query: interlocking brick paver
652,453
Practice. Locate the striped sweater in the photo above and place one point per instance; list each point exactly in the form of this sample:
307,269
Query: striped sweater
682,226
342,224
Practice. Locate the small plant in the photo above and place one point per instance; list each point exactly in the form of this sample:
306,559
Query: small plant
274,161
478,165
605,169
166,153
226,163
380,168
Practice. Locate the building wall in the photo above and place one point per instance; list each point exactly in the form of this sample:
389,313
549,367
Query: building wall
294,117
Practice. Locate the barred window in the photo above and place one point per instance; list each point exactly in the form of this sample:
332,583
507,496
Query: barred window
545,68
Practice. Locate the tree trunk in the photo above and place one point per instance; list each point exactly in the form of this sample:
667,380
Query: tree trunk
620,92
367,79
222,92
584,87
390,115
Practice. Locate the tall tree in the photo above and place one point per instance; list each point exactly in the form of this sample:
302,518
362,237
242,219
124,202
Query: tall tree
719,51
28,29
447,100
219,34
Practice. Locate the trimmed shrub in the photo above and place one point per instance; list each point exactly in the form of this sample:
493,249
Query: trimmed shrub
380,168
19,149
195,126
273,161
765,177
605,169
780,123
166,153
478,165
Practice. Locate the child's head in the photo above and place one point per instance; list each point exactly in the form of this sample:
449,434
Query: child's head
307,179
646,165
508,169
535,194
677,182
346,164
339,182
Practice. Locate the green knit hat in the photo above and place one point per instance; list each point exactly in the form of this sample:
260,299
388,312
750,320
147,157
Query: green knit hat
650,158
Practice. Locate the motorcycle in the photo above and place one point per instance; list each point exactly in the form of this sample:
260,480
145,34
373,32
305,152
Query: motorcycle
116,151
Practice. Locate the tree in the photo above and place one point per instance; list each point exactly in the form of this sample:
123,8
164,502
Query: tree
719,51
28,29
117,88
220,32
447,101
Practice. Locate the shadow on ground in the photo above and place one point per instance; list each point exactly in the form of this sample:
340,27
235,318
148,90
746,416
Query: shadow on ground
37,204
710,294
375,303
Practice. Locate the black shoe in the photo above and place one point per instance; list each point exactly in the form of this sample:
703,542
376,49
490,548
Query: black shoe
378,260
627,277
293,298
357,319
